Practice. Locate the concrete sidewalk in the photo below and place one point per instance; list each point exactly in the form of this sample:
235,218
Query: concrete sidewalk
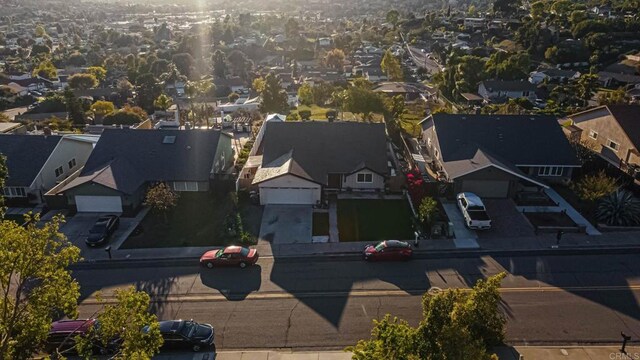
274,355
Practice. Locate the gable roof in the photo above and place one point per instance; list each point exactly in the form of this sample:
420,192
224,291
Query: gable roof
500,85
519,140
312,150
26,155
283,165
125,159
625,115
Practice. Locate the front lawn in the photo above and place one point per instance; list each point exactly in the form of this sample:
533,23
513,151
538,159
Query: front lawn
320,224
374,220
199,219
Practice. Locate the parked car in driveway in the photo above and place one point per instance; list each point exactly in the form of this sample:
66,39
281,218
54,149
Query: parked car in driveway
186,334
473,210
388,250
230,256
104,227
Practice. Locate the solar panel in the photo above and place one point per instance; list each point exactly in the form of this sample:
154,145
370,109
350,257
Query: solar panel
169,139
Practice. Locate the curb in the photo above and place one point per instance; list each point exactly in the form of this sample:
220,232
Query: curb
352,255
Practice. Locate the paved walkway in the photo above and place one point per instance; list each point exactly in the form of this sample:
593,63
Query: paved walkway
334,235
456,218
571,212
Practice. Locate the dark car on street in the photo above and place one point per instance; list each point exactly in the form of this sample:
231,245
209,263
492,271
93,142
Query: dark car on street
388,250
63,333
104,227
186,334
229,256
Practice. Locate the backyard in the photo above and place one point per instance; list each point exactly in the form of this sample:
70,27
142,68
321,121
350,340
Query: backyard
374,220
199,219
320,113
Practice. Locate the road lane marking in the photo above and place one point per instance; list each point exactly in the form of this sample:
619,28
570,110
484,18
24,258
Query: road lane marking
351,293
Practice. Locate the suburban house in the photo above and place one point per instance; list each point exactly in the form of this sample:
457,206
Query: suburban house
498,90
299,162
553,76
496,156
36,163
126,162
613,132
408,91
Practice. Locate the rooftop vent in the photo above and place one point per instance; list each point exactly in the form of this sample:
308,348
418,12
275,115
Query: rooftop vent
169,139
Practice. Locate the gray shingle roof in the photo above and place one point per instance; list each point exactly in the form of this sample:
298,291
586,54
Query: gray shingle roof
124,159
517,139
26,155
321,148
500,85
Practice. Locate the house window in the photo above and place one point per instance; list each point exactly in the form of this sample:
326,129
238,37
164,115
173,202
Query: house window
613,145
593,134
13,192
72,163
525,94
59,171
185,186
365,178
550,171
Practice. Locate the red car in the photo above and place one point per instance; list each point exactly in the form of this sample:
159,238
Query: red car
229,256
62,336
388,250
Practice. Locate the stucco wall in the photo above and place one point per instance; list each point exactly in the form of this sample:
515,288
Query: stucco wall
66,150
350,181
607,128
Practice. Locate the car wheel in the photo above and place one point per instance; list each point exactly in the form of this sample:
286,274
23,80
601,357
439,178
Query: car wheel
210,265
243,265
196,348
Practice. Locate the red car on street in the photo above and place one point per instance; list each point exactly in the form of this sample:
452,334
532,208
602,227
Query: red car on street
229,256
388,250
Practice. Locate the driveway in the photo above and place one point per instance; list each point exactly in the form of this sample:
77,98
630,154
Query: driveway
286,224
460,230
77,228
506,220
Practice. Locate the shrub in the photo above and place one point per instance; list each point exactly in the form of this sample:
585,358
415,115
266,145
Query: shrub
594,187
619,208
305,114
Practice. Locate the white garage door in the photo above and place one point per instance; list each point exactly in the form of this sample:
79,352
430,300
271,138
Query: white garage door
86,203
288,195
487,188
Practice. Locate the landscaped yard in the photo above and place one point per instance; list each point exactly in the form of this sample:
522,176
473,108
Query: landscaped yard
319,113
374,220
200,219
320,224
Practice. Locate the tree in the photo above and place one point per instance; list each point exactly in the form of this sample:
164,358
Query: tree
615,97
101,108
148,91
126,116
46,69
619,208
335,59
392,17
292,28
219,61
305,114
161,199
586,85
596,186
98,72
456,324
258,84
128,320
240,64
35,282
40,31
305,94
3,178
428,211
391,65
363,101
82,81
274,98
163,102
506,7
76,59
74,107
184,63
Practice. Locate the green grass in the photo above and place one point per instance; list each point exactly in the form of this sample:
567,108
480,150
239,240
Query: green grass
200,219
319,113
374,220
320,224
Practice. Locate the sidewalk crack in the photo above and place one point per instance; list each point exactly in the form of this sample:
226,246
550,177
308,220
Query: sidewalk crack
286,334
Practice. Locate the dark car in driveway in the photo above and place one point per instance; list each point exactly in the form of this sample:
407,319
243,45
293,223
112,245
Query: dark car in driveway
388,250
104,227
186,334
229,256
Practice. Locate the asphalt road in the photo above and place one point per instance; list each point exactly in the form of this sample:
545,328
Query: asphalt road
330,304
422,60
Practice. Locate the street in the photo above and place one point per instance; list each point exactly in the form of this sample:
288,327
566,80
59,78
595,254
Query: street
329,304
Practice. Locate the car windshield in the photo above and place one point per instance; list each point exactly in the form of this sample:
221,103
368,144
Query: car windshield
219,253
244,252
475,208
188,328
380,246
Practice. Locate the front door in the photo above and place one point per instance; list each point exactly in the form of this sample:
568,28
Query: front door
335,181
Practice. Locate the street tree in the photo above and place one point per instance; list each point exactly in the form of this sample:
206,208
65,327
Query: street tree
161,199
82,81
274,97
456,324
129,321
35,283
391,66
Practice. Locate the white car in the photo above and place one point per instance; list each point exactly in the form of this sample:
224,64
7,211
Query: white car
473,210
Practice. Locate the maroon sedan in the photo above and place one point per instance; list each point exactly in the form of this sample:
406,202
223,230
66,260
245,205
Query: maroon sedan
388,250
229,256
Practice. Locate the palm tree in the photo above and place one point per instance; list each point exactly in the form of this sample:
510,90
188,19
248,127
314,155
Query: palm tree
620,208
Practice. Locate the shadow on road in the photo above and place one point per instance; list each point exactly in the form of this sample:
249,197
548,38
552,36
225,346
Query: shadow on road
234,284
